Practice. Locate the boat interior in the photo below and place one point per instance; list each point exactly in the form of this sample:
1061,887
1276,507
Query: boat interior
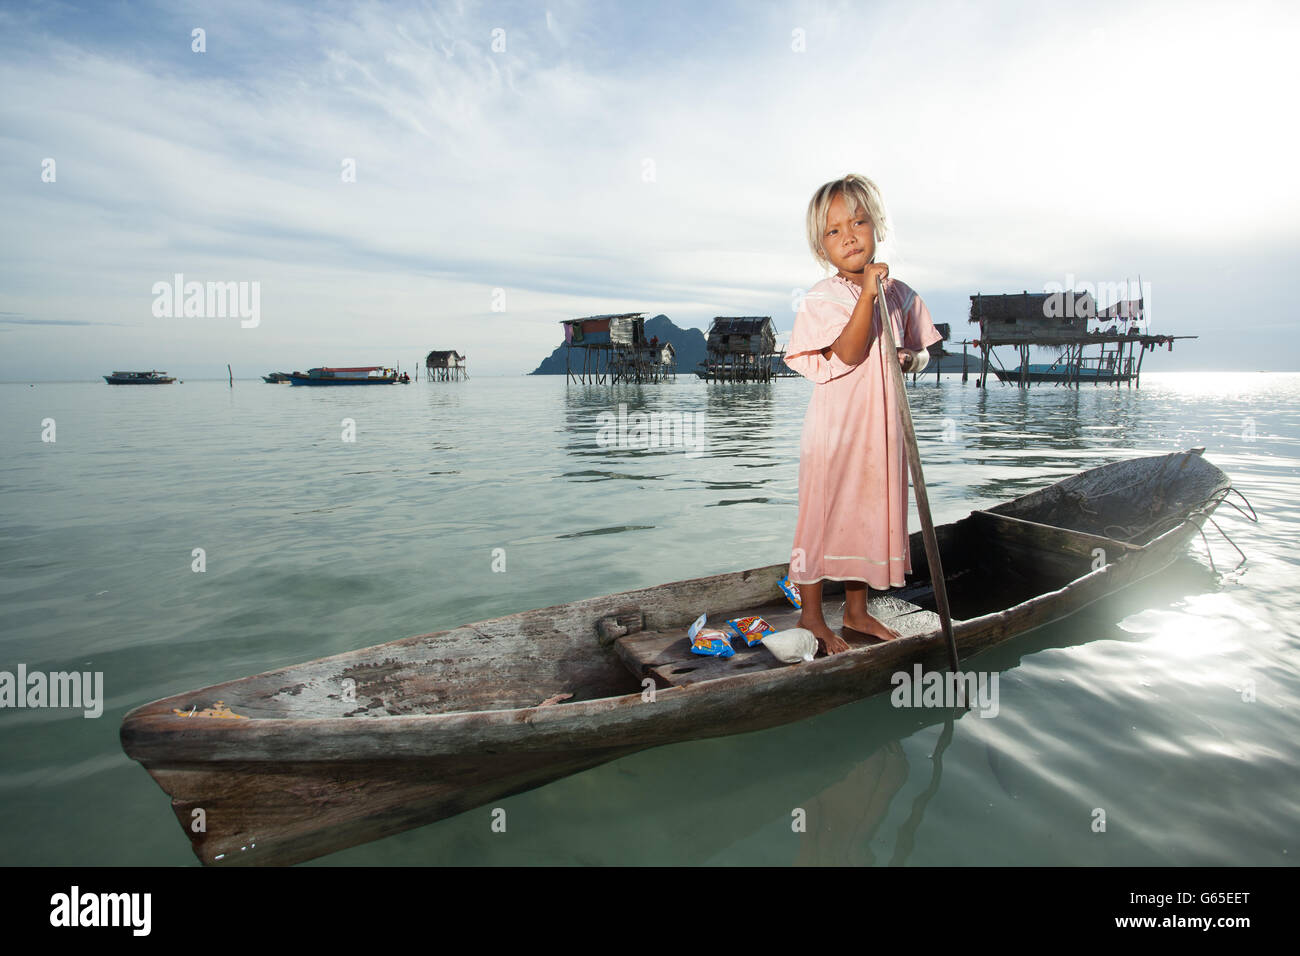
605,647
992,560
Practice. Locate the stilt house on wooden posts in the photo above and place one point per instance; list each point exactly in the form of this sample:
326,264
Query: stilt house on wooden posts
740,349
1059,321
937,351
448,366
665,357
614,349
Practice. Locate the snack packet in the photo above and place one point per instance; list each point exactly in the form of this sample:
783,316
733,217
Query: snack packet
751,630
709,641
791,591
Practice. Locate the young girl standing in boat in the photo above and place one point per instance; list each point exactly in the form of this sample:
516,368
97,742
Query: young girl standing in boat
852,523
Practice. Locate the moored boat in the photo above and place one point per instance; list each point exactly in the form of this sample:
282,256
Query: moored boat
139,378
1061,374
309,759
276,378
359,375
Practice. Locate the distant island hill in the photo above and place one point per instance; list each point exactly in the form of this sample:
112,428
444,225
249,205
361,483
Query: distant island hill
691,348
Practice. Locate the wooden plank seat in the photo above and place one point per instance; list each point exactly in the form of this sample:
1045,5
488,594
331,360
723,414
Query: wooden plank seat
1047,537
665,656
1062,552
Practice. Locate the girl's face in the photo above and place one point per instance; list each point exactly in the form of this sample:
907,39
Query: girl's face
850,239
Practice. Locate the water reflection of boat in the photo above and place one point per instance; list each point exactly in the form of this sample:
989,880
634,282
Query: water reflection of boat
316,757
139,378
359,375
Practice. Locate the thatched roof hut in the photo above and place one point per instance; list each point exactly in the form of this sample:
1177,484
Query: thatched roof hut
750,335
448,359
1034,317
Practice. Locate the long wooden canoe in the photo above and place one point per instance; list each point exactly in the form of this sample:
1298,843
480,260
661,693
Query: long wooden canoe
299,762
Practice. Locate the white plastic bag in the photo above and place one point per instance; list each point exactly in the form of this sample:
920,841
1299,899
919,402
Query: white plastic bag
792,646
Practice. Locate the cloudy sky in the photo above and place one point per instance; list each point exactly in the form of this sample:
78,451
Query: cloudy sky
516,164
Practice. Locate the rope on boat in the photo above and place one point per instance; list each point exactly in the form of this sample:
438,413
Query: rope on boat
1201,510
1225,538
1250,517
1218,498
1128,532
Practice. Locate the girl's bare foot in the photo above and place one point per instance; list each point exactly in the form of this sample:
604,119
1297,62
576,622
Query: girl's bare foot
866,624
829,641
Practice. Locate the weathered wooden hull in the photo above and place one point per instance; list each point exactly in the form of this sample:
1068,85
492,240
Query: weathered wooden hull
321,382
300,762
303,809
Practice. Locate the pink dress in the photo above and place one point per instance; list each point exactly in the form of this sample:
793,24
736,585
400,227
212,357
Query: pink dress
852,523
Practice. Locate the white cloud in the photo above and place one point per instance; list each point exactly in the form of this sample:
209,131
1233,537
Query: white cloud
1013,145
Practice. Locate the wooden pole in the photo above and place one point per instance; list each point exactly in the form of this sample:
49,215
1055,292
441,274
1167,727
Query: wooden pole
918,479
231,375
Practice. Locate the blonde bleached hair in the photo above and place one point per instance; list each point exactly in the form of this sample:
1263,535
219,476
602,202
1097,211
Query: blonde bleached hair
860,194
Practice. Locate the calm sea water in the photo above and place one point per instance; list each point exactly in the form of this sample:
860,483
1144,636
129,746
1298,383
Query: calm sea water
1172,706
